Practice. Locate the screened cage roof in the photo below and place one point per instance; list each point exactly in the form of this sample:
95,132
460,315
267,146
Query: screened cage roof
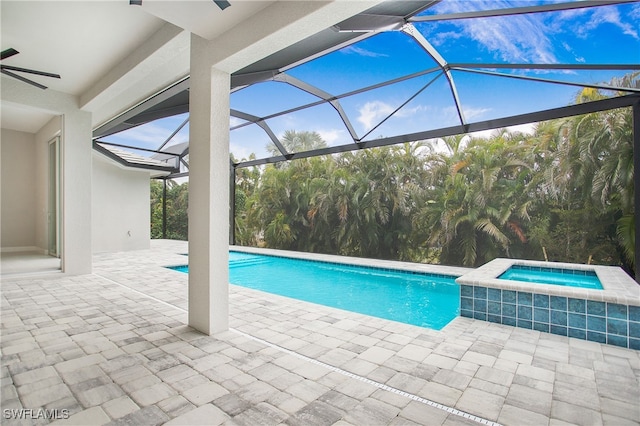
410,70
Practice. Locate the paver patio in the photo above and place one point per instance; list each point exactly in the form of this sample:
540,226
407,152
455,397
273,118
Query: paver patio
113,347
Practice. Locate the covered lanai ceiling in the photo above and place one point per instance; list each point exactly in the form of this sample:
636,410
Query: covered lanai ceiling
411,70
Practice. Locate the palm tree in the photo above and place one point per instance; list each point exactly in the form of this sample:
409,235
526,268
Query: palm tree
596,162
294,141
476,210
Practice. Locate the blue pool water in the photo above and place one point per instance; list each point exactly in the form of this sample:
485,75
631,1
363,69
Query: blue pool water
420,299
555,276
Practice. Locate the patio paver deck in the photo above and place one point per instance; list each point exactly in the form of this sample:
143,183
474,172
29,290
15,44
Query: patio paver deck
113,348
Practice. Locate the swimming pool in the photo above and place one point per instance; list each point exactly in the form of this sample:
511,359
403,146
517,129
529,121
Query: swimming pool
555,276
426,300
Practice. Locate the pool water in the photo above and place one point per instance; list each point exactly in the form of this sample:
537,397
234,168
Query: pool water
555,276
413,298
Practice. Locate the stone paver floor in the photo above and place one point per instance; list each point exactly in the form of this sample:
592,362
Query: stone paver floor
113,348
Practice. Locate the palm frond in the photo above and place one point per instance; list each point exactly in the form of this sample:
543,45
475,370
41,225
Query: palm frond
626,233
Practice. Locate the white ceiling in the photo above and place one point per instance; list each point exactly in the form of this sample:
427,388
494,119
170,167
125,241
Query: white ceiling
16,117
78,40
23,119
203,17
84,41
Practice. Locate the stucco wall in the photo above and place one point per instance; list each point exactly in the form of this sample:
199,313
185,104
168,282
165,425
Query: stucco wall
120,198
120,204
18,190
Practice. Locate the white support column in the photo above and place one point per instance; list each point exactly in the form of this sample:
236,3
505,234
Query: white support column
208,192
76,192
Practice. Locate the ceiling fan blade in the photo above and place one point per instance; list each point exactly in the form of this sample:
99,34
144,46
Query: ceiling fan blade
42,73
222,4
25,80
8,53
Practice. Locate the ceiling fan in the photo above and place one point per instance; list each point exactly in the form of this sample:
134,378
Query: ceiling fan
9,70
222,4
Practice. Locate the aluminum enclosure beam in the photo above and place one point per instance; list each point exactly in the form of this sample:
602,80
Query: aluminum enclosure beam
411,31
264,126
602,105
518,10
547,80
111,127
327,97
636,183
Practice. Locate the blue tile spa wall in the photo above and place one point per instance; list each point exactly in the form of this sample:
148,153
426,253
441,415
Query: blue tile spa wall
602,322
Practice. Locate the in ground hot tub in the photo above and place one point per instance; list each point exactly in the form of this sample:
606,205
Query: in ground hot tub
610,314
581,278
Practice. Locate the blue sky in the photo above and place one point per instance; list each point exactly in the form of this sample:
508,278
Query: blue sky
601,35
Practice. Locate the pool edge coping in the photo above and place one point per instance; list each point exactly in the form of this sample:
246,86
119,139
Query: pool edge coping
422,268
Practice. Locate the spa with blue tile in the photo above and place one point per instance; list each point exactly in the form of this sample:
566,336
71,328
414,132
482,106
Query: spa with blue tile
597,321
610,314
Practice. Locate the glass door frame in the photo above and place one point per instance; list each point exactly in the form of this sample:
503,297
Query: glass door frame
53,198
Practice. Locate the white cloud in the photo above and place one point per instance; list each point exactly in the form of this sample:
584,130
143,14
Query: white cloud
408,112
514,39
235,121
608,15
470,113
362,52
582,22
149,135
373,112
474,113
529,38
240,151
288,121
439,38
572,52
334,136
520,38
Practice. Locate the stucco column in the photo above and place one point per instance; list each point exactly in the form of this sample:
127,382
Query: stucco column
76,192
208,192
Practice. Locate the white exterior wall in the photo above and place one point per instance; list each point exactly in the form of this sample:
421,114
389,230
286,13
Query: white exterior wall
18,190
120,198
120,207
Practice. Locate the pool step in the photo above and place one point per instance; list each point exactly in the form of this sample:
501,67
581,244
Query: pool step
247,262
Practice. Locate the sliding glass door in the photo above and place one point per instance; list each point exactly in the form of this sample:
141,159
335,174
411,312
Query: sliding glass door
53,213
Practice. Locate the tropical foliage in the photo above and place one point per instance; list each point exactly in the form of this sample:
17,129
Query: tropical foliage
563,193
176,208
